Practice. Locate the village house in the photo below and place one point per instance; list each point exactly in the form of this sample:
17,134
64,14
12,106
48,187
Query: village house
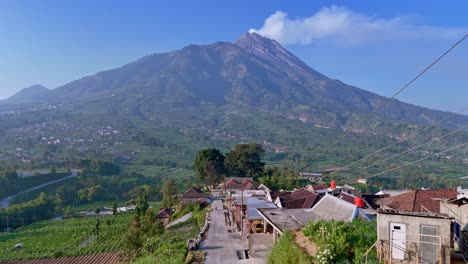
240,183
320,189
254,221
413,237
457,208
300,198
276,221
237,203
194,195
418,200
164,215
312,176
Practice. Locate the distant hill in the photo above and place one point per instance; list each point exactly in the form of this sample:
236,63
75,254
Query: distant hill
32,94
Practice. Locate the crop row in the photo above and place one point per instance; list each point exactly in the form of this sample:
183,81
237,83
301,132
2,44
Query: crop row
71,237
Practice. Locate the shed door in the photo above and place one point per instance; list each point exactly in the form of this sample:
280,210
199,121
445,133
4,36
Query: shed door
398,240
429,244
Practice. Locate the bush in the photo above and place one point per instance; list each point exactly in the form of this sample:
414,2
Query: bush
342,242
195,257
286,251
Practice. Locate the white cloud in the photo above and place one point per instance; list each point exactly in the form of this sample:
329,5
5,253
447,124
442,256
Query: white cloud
346,28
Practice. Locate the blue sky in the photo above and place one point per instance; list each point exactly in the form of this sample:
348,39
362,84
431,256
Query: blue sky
374,45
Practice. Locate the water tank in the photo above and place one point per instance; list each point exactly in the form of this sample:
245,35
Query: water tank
359,202
333,185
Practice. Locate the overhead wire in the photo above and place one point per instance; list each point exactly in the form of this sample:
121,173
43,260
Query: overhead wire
412,162
406,138
408,150
392,97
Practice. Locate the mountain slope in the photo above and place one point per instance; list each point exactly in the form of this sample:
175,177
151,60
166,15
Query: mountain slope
32,94
253,72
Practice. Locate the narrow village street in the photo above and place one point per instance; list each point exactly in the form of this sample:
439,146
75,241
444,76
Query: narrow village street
220,245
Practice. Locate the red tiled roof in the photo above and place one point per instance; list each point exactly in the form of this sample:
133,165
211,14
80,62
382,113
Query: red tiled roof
231,181
419,200
311,201
103,258
301,198
164,213
300,193
193,193
244,184
294,203
193,190
347,197
280,194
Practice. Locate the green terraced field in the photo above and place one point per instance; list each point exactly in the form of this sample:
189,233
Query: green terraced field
70,237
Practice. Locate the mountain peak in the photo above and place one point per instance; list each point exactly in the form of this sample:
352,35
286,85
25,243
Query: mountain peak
252,41
271,50
28,95
35,87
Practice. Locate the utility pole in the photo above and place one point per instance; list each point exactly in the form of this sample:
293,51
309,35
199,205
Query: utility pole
242,211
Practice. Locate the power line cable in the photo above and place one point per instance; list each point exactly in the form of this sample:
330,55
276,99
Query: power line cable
393,96
411,149
407,137
412,162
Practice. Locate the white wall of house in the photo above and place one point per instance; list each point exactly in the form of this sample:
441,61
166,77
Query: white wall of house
412,226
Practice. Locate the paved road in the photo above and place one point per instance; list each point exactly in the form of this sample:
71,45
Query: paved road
220,245
6,201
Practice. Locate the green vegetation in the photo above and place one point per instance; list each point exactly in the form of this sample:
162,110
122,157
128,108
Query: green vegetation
286,251
168,190
148,235
170,245
282,179
245,160
69,237
96,183
11,183
195,257
340,242
197,213
412,177
209,166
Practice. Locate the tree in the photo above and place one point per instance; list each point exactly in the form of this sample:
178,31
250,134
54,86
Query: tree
209,166
168,190
245,160
142,203
114,208
96,227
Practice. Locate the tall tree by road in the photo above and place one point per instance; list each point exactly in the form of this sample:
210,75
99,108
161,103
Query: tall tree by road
245,160
209,166
169,189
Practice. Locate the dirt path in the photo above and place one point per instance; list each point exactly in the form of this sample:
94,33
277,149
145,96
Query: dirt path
305,243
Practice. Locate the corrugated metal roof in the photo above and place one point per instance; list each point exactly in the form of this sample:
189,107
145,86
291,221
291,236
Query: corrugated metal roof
253,204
